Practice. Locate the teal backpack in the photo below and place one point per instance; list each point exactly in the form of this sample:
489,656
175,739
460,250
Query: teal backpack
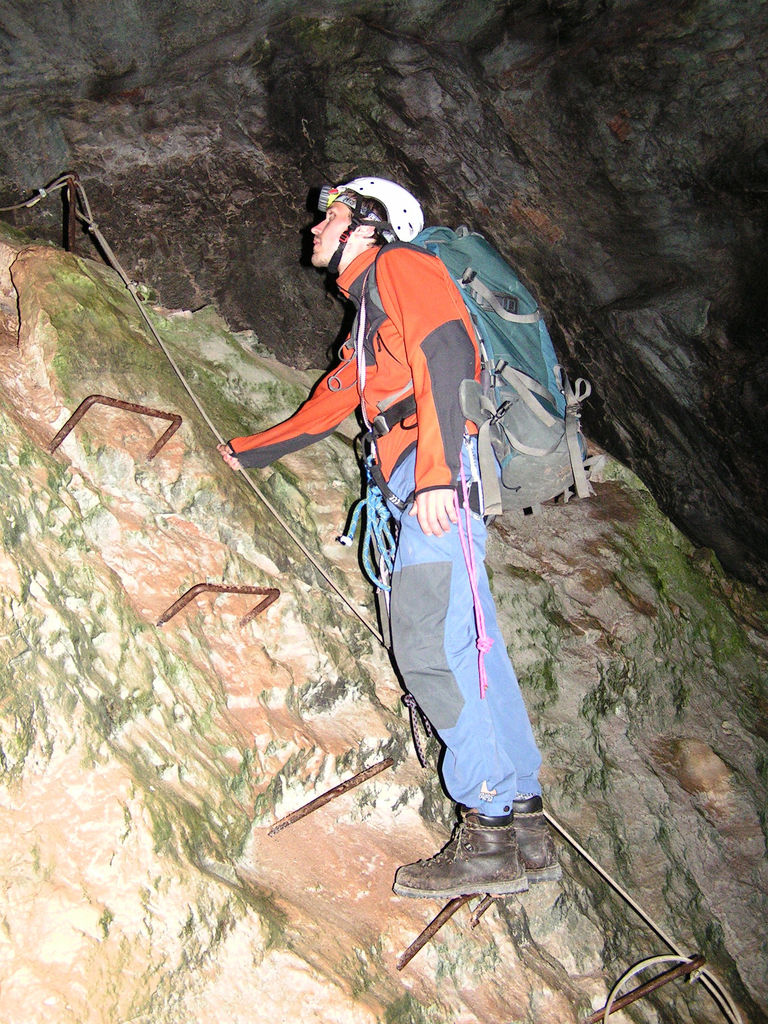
530,446
527,414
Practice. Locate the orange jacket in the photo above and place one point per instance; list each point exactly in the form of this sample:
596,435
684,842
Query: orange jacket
424,345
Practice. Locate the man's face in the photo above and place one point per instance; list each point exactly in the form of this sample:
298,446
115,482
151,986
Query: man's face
328,232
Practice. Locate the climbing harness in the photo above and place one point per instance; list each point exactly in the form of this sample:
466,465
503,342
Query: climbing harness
712,984
378,542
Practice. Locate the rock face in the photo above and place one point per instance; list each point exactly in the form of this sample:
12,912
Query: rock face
615,152
143,765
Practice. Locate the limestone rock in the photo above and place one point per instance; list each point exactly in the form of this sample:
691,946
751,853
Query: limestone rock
143,765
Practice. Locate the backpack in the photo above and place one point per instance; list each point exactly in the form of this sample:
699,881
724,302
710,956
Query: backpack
526,412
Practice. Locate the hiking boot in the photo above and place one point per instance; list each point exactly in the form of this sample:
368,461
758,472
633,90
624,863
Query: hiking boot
534,840
482,856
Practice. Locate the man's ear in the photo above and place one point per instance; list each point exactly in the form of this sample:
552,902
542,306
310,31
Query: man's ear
364,231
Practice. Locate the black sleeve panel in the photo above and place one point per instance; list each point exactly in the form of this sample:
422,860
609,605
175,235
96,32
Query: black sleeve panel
450,358
256,458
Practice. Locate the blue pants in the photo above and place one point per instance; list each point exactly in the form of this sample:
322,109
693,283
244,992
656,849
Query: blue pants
490,753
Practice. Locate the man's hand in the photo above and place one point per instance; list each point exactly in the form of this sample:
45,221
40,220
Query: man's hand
226,454
435,511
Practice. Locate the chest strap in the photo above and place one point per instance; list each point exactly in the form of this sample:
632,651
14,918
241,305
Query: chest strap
396,413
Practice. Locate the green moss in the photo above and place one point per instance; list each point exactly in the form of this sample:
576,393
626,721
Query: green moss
90,314
614,470
238,413
361,967
228,380
103,344
271,916
460,956
162,828
14,526
241,784
685,587
540,683
196,833
322,695
327,38
680,692
20,237
28,455
406,1010
105,921
436,808
266,802
116,709
592,779
608,695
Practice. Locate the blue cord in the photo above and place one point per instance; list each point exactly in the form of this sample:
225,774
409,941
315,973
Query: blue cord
378,537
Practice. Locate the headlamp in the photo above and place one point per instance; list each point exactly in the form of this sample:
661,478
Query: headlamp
328,195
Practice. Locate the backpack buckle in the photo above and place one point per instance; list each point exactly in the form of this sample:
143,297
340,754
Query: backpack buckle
501,411
380,425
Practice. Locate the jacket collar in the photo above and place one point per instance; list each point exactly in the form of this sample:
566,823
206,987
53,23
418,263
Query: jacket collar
350,281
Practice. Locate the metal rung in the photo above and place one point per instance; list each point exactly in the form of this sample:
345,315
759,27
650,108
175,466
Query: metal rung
433,928
331,794
270,595
118,403
689,967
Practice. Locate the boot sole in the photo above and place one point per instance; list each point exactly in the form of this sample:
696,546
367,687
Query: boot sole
490,889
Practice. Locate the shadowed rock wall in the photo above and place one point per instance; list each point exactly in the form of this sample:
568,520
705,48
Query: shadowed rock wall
615,152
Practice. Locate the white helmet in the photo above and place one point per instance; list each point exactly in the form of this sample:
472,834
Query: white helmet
405,218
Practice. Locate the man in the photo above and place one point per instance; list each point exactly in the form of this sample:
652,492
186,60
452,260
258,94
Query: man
407,354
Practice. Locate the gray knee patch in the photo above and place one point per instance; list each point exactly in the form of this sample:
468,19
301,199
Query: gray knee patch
417,613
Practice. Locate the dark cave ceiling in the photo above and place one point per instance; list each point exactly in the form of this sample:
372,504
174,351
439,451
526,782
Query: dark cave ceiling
614,151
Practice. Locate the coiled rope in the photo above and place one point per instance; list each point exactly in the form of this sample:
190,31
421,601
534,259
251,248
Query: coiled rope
84,215
378,542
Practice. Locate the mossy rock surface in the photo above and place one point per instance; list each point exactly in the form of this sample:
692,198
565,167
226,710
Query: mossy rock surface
642,663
